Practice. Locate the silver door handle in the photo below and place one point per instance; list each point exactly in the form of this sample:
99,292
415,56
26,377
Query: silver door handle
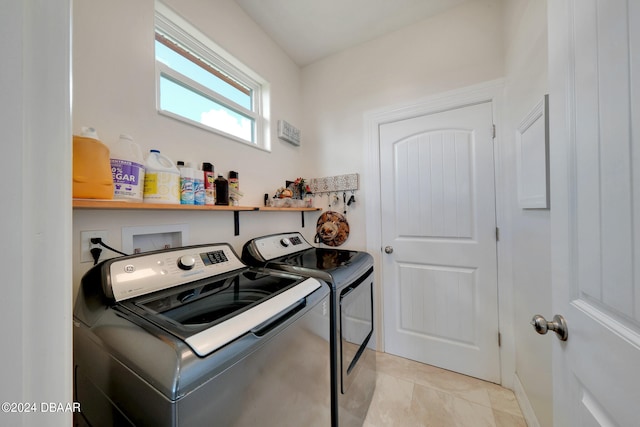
388,249
558,325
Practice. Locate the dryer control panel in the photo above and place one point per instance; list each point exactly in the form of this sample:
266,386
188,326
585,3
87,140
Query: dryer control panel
274,246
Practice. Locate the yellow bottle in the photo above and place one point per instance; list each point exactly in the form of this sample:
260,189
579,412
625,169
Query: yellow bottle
92,177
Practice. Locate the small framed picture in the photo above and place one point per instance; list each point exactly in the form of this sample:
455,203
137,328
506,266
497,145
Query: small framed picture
288,132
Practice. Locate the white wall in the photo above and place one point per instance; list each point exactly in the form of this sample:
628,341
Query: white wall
35,117
474,43
114,91
455,49
114,84
458,48
526,76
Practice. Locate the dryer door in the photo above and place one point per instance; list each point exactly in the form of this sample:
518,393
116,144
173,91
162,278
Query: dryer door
356,326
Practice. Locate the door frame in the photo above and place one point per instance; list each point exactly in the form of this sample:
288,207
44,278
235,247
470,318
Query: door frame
491,91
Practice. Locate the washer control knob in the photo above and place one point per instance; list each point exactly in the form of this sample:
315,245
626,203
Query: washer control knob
186,262
285,242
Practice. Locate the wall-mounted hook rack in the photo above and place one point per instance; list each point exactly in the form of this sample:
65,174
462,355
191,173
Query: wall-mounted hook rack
337,183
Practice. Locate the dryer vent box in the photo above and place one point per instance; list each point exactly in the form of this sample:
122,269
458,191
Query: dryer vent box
152,238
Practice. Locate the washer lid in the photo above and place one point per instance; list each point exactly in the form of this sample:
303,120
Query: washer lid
337,267
211,313
218,335
325,259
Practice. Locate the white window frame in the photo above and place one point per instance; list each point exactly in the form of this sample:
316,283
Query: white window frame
172,25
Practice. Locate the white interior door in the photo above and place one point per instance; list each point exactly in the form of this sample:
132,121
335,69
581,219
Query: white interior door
438,219
594,100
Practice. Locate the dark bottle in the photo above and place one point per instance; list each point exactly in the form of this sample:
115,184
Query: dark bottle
222,191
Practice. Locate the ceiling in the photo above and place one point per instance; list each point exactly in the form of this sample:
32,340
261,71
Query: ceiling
309,30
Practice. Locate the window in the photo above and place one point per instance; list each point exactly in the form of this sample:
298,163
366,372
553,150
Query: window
199,83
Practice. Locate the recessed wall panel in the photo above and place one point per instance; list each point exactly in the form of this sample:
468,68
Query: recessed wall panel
438,302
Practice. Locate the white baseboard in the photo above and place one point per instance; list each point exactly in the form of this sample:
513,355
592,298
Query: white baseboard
525,406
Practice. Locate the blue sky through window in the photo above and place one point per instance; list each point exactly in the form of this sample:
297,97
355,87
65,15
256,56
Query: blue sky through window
179,98
183,101
188,68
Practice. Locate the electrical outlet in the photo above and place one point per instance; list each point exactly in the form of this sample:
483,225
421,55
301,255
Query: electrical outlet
86,245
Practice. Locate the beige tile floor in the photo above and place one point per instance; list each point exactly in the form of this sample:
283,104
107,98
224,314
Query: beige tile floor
412,394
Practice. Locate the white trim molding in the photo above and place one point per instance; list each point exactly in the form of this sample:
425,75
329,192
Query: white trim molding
525,406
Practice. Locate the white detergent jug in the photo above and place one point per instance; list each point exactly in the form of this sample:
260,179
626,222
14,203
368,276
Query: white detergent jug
161,180
127,169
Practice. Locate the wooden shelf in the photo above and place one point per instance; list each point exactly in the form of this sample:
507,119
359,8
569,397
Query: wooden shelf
113,204
271,208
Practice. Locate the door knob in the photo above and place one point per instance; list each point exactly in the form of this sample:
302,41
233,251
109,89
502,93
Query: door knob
388,249
558,325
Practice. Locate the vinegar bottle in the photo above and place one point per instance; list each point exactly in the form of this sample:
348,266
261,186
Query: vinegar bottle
127,168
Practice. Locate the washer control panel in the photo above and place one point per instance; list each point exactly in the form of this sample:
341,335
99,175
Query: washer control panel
145,273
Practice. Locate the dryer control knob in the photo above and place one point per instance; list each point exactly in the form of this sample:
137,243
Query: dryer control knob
186,262
285,242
